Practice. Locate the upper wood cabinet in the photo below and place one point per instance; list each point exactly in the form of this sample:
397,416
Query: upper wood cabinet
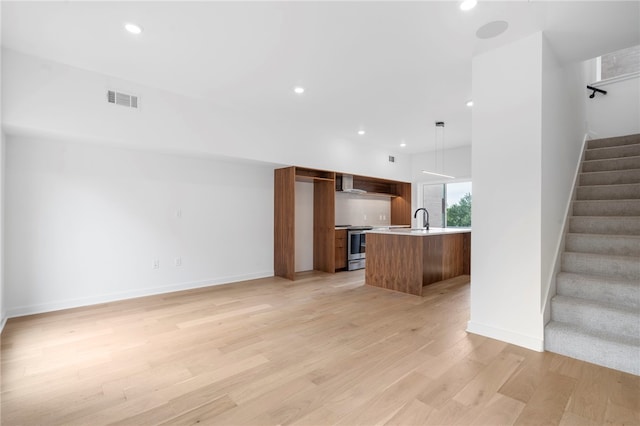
401,204
374,186
312,175
400,193
324,188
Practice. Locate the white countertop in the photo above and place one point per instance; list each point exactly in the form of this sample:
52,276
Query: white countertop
419,232
377,227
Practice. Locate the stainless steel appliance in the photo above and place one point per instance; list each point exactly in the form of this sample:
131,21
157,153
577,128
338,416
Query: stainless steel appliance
347,185
356,246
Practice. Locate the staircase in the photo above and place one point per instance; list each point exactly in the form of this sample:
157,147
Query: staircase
595,315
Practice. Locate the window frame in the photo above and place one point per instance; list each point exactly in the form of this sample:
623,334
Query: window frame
445,194
621,77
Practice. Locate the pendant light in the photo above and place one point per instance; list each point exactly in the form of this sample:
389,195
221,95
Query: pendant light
438,158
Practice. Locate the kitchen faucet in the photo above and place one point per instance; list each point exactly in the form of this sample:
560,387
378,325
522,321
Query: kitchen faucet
425,217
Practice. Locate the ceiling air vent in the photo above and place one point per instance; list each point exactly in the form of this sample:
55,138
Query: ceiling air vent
123,99
392,159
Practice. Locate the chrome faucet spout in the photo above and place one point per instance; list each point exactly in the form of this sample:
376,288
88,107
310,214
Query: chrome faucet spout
425,217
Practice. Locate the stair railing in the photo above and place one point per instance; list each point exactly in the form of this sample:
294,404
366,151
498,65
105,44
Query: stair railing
595,89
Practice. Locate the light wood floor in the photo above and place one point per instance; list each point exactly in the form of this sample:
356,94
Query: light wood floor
321,350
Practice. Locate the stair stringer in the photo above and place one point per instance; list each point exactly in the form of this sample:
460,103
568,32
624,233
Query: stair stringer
550,281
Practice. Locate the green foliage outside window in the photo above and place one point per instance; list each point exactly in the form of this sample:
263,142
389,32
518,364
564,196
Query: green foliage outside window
460,214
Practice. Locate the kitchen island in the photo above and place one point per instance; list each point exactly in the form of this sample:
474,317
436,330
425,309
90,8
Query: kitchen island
406,260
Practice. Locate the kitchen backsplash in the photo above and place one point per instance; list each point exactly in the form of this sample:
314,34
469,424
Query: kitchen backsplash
362,209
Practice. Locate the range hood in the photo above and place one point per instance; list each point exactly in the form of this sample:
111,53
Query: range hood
347,185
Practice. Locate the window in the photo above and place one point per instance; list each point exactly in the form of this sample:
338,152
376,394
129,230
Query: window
621,62
449,204
433,199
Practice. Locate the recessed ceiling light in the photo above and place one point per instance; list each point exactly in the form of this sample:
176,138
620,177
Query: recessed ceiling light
469,103
492,29
361,132
133,28
468,4
299,90
403,144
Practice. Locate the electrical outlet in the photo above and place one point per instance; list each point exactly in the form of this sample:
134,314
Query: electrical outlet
178,261
156,263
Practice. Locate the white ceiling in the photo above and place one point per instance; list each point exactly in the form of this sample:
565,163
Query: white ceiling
392,68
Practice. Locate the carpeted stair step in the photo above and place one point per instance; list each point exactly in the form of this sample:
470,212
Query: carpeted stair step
604,289
627,191
606,208
611,177
618,352
618,225
624,163
617,245
631,150
626,267
593,315
615,141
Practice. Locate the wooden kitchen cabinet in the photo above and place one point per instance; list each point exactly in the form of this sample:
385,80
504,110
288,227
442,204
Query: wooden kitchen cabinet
329,250
399,193
341,249
284,219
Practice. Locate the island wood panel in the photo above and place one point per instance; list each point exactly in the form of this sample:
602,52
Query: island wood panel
284,223
467,253
432,256
397,253
406,263
452,256
401,205
324,225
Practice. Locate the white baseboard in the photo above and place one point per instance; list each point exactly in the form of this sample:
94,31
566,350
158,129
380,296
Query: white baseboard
20,311
2,324
518,339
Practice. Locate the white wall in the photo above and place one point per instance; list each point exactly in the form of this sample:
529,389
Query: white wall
45,97
528,133
506,162
563,133
618,112
353,209
304,227
457,164
2,168
51,109
3,312
84,223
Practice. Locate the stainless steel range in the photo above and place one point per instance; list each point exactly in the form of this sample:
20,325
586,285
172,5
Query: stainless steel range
356,245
